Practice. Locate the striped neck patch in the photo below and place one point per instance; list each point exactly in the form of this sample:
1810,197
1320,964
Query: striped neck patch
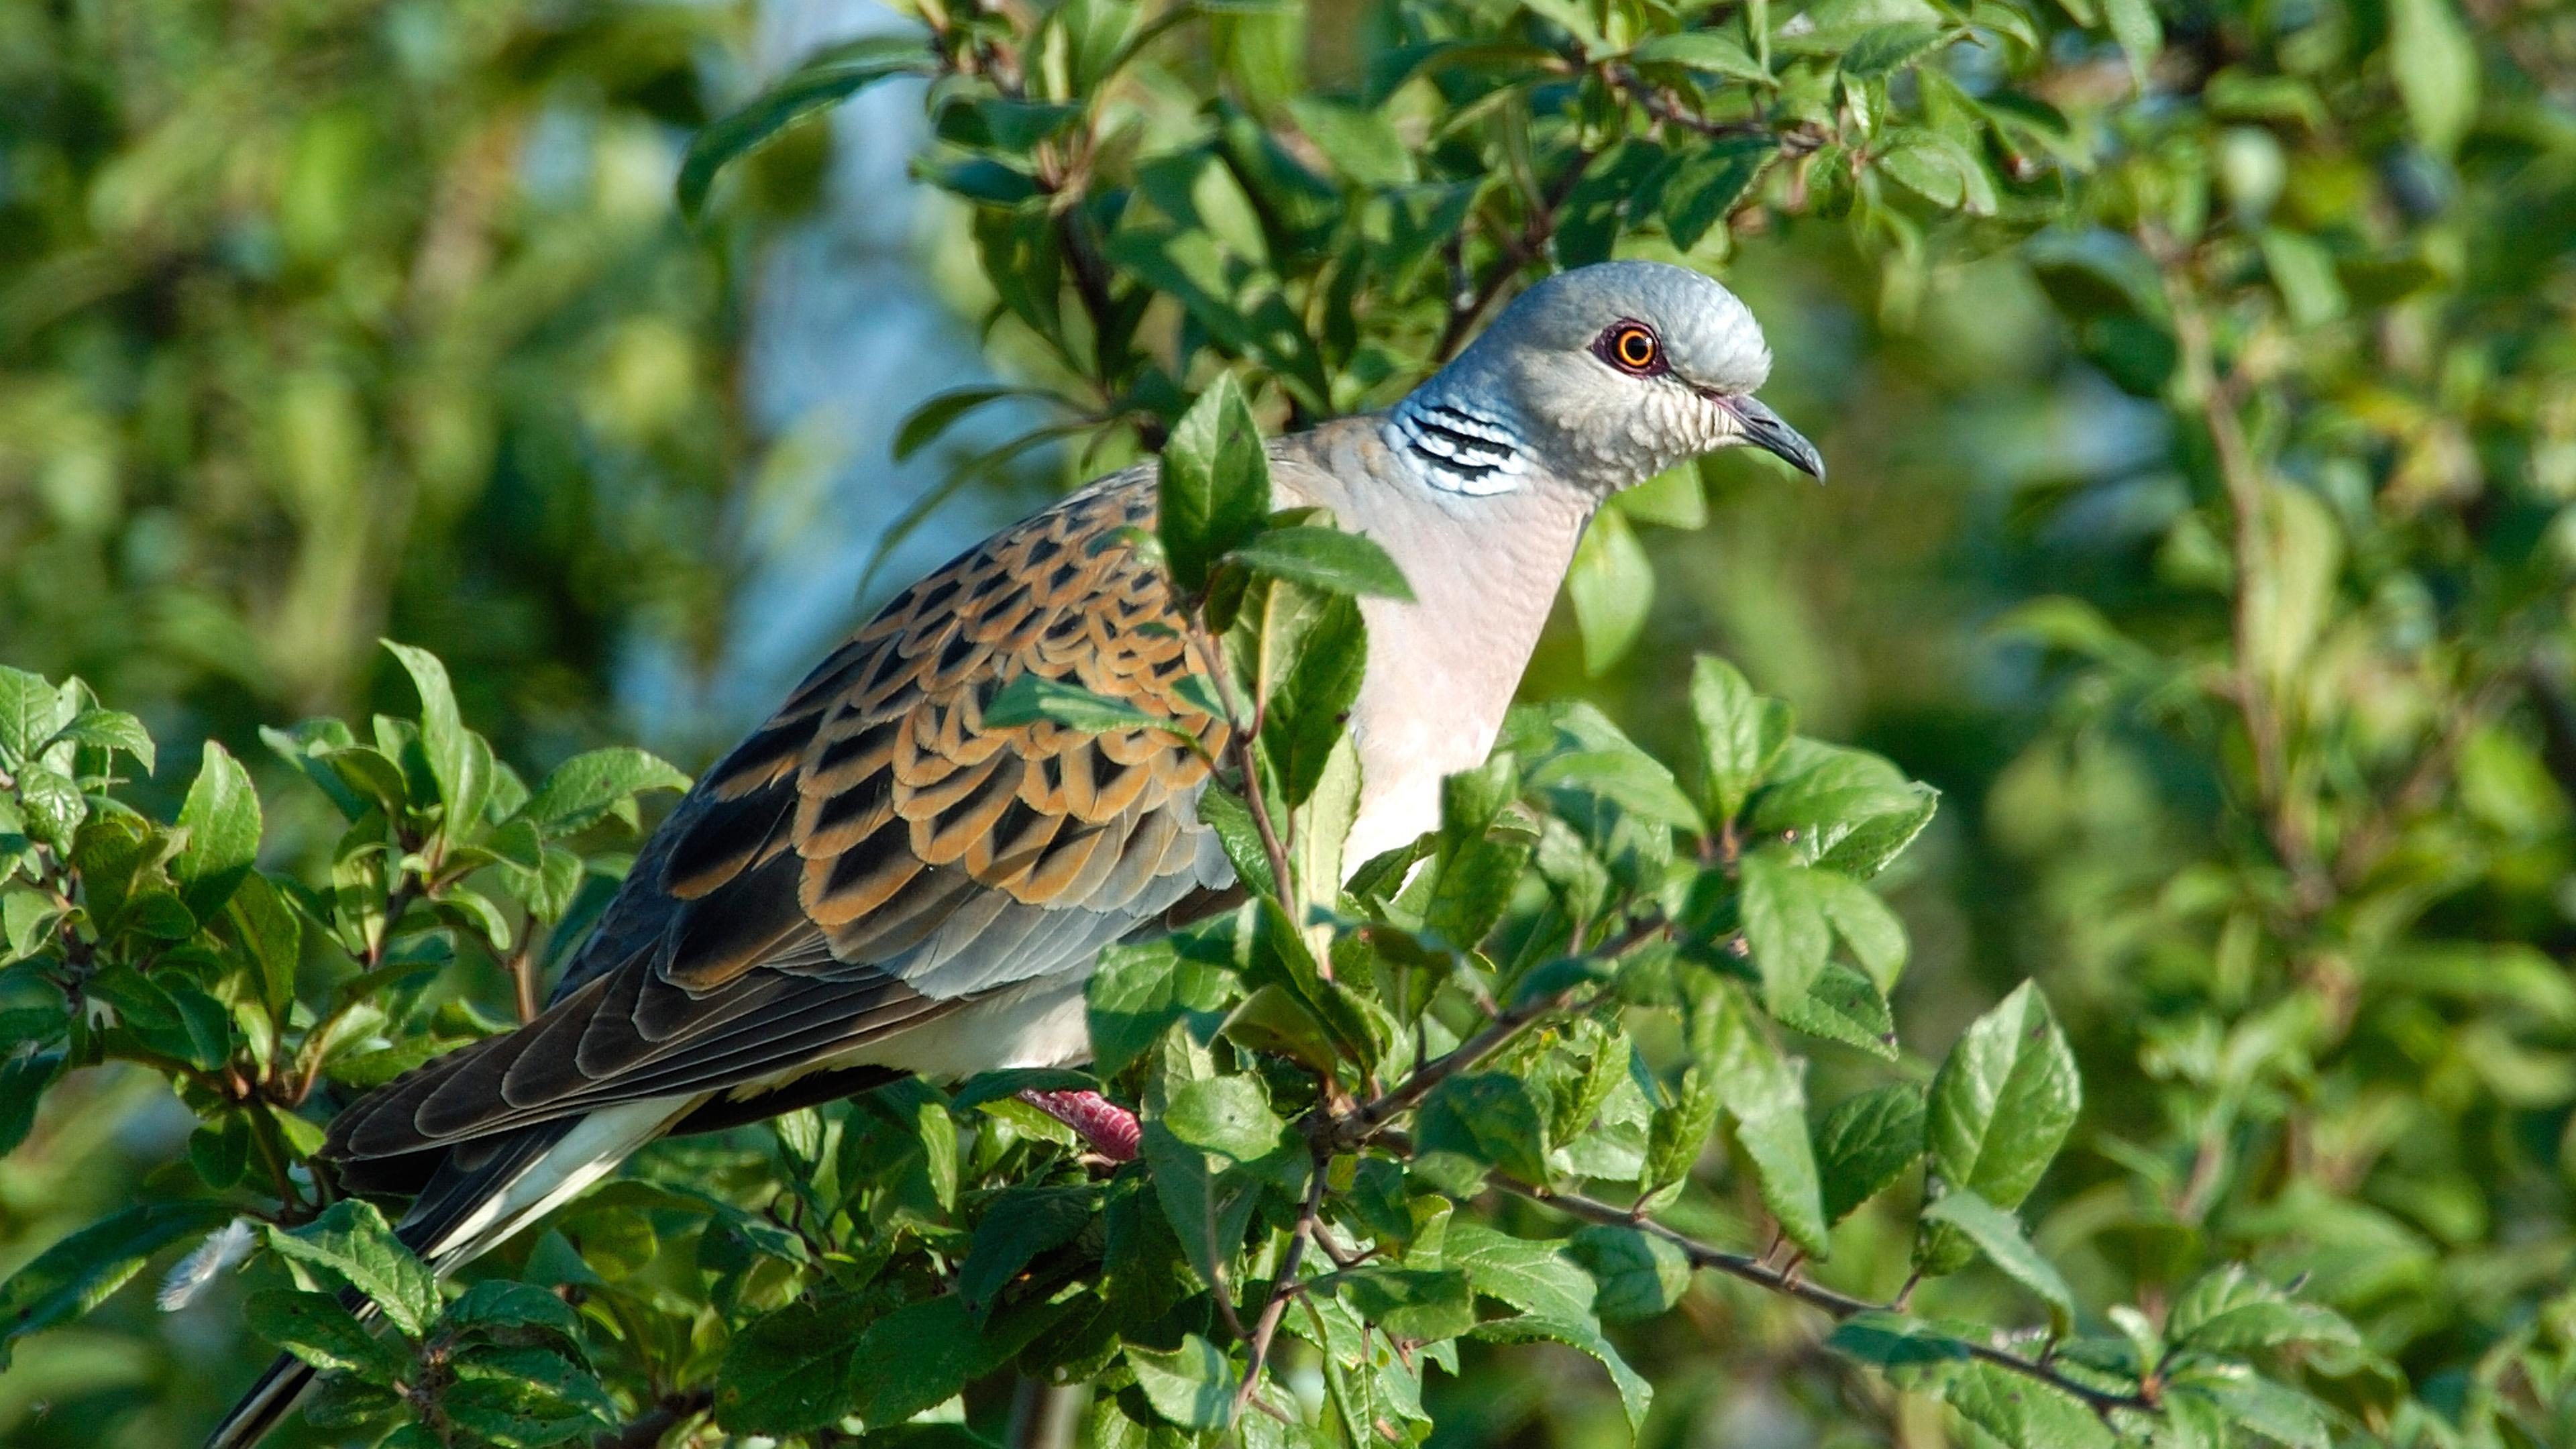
1458,449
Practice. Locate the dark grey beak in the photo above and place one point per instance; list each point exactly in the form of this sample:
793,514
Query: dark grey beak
1763,429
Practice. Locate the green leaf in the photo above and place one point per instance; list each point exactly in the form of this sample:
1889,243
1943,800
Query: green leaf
1845,809
788,1372
458,760
1535,1277
823,81
1020,1224
1673,498
2232,1311
220,1150
31,710
1209,1211
1420,1304
1679,1134
53,804
1866,1143
24,1076
924,424
2281,1414
1636,1396
1784,924
1939,169
2141,35
2000,1107
1192,1386
1869,930
268,928
315,1328
1229,1119
1612,586
2303,272
1490,1117
1030,698
1311,697
177,1019
1841,1005
222,821
1709,181
1998,1235
1701,50
918,1357
1215,488
1883,50
1138,991
1764,1093
1894,1341
2435,60
509,1312
1361,144
579,792
2022,1412
107,729
1326,559
1637,1274
352,1242
1627,777
77,1274
1740,733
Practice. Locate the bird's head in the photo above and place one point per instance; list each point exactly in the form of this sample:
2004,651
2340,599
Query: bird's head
1603,377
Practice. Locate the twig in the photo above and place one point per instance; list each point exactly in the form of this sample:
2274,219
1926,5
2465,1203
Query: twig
2370,841
523,974
1518,252
2242,474
1241,737
1043,1415
1283,1285
647,1428
1365,1121
1785,1281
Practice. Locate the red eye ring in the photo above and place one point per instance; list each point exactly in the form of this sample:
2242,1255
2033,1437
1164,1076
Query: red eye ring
1633,348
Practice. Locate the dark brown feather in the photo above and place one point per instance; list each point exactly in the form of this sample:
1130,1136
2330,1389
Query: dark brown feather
874,827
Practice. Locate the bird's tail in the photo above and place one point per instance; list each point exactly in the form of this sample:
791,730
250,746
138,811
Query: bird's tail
481,1194
268,1402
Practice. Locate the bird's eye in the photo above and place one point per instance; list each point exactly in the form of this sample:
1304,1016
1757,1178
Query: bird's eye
1633,347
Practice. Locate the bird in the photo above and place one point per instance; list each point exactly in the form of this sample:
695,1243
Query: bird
876,882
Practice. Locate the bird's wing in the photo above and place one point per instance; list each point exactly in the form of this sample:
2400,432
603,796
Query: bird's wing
876,853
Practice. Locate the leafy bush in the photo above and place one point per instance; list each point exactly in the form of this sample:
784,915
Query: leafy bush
2287,838
1568,988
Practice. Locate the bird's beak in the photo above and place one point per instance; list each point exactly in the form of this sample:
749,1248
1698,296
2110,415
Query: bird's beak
1764,429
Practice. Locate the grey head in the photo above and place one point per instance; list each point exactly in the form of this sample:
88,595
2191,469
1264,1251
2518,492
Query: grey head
1599,378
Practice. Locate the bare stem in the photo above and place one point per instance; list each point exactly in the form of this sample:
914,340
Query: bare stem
1786,1282
1285,1284
2217,397
1241,737
1366,1120
1519,251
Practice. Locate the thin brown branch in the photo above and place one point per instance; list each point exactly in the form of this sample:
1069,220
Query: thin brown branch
524,971
1282,1286
1519,251
1368,1119
1241,737
1786,1282
648,1428
2370,842
2217,398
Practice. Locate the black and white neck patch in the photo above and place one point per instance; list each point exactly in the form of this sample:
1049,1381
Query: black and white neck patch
1459,449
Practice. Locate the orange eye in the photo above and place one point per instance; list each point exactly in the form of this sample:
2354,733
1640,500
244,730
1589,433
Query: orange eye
1633,347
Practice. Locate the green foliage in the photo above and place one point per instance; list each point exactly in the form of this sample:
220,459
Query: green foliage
2216,358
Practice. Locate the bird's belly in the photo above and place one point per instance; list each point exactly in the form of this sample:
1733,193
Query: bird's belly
1039,1024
